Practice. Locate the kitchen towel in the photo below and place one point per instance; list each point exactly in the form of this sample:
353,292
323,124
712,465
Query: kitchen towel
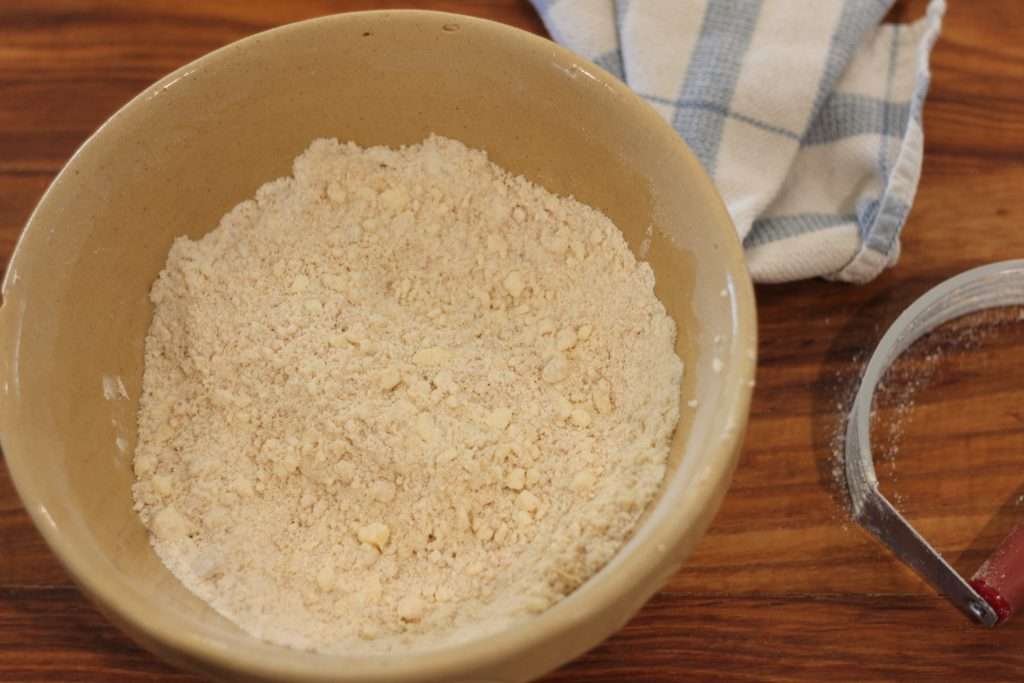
806,113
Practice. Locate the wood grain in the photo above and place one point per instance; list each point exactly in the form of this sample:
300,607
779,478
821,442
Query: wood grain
783,587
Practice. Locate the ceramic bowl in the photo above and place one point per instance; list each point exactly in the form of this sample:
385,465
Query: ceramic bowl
177,157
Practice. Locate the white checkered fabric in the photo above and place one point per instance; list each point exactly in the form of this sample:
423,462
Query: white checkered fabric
806,113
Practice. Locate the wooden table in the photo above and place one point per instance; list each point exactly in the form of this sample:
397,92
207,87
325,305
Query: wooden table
783,587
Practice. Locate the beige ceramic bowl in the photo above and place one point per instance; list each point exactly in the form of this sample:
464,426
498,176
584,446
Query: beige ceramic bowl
75,307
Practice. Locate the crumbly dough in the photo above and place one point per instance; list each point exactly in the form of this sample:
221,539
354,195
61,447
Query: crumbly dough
400,399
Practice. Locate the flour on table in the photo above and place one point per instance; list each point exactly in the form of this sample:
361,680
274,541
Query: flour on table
400,399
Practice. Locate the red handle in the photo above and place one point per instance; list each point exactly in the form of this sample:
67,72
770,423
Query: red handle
1000,580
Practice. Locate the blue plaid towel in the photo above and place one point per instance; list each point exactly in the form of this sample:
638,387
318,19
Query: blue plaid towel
807,114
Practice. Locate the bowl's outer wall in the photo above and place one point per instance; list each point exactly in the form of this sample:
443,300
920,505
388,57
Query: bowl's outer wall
179,156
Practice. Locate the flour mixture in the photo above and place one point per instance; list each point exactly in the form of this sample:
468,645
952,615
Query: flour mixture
400,399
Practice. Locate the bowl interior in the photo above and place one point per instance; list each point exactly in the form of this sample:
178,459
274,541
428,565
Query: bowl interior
76,311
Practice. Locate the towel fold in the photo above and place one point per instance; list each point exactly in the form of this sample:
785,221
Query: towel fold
806,114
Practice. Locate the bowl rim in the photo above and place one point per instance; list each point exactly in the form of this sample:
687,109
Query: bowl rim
166,629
